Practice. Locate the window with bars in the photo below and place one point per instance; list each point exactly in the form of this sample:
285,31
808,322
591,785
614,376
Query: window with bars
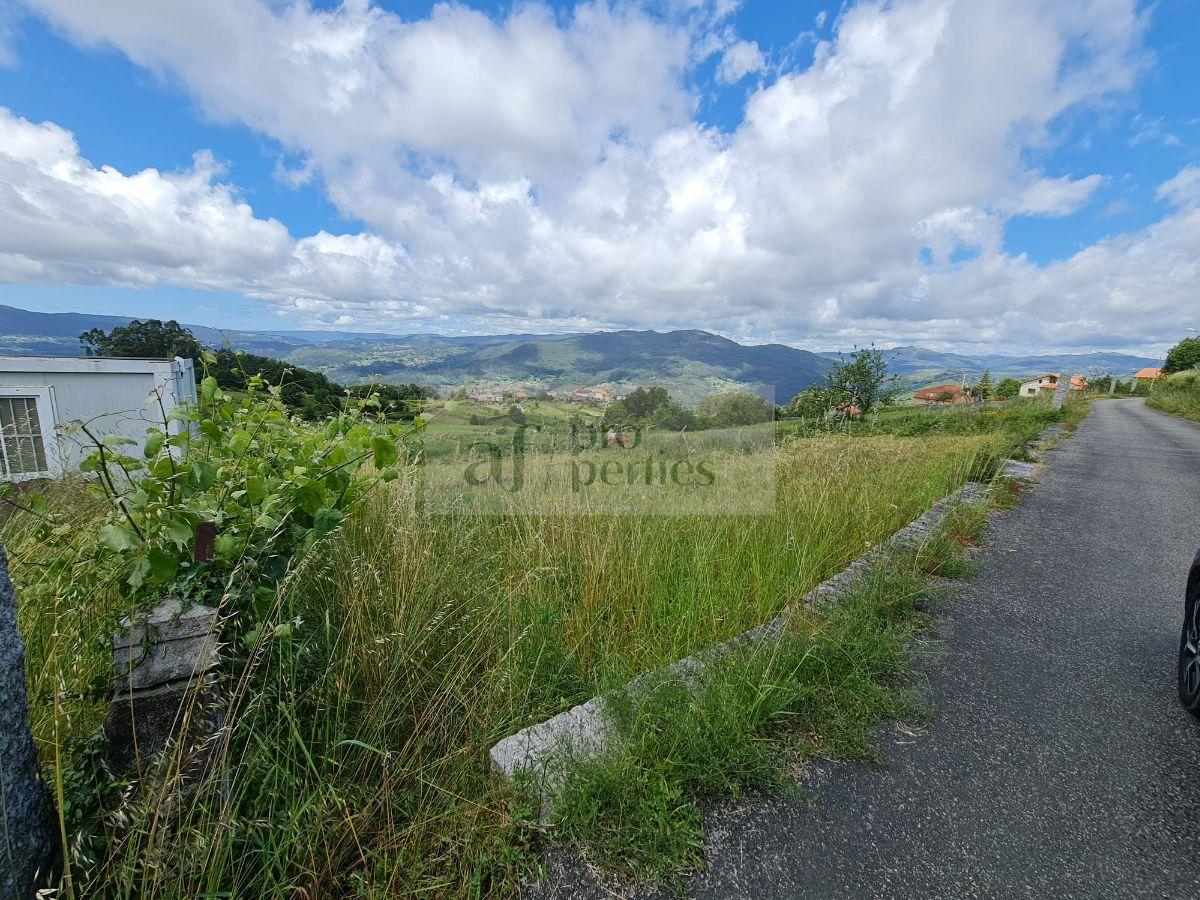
22,445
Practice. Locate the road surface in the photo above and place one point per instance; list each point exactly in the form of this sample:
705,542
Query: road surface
1057,762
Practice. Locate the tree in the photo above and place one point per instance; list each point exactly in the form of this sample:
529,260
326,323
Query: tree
649,406
1009,387
308,393
861,381
983,387
397,402
1184,355
152,339
735,408
809,404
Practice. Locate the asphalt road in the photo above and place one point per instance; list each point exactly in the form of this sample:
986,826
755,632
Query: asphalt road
1057,762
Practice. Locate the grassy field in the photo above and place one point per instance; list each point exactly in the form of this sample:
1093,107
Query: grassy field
411,639
1178,394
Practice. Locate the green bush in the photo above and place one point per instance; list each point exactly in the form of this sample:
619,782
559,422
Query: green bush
1183,356
269,484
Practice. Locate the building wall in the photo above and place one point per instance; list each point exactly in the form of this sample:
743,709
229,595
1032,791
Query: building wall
112,396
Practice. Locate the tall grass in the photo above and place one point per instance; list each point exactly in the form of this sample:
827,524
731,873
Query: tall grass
1178,394
409,642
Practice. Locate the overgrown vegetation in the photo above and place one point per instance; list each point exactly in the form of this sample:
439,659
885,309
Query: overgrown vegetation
851,387
1020,419
384,646
1183,356
1178,394
755,715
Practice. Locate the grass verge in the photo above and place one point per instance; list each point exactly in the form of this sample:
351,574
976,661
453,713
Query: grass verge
1178,394
821,689
406,644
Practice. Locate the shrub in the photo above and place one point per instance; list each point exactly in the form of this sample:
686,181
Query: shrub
270,485
1184,355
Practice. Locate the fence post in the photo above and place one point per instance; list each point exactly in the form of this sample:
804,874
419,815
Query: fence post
26,842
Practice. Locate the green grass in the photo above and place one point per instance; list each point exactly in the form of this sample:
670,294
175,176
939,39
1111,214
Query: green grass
1018,419
1178,394
356,762
754,719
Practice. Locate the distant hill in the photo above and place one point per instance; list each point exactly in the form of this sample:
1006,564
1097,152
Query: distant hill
25,332
689,363
919,367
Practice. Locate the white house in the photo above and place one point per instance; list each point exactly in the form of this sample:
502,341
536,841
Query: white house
41,394
1045,384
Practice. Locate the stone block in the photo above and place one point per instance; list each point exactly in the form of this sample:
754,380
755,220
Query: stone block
165,693
169,643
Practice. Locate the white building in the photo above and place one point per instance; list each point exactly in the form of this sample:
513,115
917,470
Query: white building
1045,384
41,394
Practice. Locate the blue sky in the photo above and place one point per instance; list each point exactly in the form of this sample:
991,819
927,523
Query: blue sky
737,172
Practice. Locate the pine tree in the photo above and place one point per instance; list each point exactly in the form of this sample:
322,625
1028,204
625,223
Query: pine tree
983,387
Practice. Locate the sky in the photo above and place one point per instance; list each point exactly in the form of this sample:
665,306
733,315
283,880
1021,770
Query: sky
1000,175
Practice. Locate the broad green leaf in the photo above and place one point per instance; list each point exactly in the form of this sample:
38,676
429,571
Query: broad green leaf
116,440
310,497
208,388
266,523
263,602
178,532
383,451
154,443
227,547
137,576
326,520
119,538
202,474
163,565
256,488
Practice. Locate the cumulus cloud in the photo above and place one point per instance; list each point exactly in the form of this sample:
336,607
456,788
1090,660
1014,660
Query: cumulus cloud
740,59
550,169
1054,196
61,219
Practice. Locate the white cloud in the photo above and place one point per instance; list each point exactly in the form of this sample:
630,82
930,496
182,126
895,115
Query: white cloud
62,220
8,36
1053,196
1183,189
740,59
547,168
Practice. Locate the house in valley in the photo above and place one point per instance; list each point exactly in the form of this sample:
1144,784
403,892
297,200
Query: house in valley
1046,384
1147,376
941,394
597,395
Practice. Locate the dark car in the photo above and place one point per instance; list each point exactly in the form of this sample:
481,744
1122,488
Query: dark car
1189,643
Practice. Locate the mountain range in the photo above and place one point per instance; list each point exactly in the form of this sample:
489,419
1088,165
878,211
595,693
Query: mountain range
690,363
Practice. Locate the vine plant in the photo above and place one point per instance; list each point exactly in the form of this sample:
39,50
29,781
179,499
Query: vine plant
270,484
